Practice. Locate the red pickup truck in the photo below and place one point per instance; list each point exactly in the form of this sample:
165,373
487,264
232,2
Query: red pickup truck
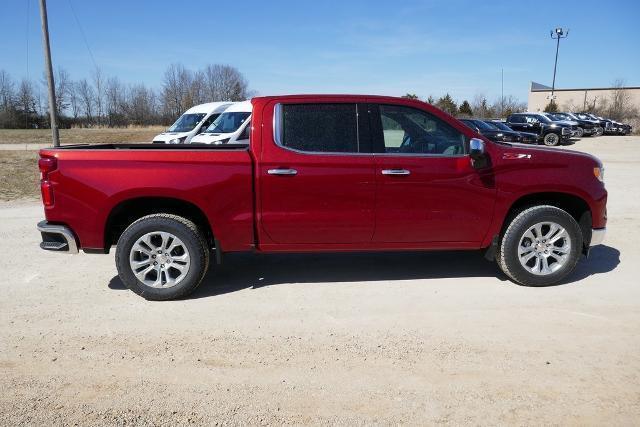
324,173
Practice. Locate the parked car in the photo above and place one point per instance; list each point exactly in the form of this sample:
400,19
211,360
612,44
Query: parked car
492,132
576,131
323,173
586,126
549,132
195,120
609,126
612,127
232,126
525,137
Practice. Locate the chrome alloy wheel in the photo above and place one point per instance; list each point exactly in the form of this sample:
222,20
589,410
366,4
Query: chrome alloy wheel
159,259
544,248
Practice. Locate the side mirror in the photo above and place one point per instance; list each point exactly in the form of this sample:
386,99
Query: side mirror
477,153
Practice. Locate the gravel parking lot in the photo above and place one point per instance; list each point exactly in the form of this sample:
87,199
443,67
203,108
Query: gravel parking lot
416,338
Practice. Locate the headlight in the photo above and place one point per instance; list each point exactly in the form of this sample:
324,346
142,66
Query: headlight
174,141
599,173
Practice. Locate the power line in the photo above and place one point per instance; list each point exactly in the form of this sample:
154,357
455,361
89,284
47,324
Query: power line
84,37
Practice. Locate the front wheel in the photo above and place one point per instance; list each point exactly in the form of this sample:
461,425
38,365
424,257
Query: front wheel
162,257
540,246
551,139
579,132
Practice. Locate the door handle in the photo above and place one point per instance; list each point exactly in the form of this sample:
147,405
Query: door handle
287,172
395,172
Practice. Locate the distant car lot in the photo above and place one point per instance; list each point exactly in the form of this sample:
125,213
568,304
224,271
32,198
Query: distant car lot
307,339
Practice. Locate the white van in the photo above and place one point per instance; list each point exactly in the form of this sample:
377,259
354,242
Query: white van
195,120
231,127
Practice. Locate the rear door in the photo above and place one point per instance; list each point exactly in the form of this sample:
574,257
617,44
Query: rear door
316,174
519,123
427,190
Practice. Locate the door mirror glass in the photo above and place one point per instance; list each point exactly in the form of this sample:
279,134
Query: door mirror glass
477,153
476,148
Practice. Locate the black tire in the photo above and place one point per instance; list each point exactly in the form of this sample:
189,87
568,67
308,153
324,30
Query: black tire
180,227
551,139
507,256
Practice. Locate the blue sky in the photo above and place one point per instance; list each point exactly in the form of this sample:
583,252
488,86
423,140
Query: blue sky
377,47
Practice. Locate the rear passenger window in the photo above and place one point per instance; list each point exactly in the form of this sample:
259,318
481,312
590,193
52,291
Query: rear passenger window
320,127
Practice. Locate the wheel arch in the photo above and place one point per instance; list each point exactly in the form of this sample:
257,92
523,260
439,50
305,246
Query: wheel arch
127,211
574,205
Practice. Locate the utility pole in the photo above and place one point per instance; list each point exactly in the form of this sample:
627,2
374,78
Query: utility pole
502,94
556,34
49,72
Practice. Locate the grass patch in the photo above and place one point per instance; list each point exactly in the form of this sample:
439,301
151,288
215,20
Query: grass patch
80,136
19,175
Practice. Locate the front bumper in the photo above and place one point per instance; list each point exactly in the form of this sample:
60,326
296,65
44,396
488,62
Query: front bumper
57,238
597,236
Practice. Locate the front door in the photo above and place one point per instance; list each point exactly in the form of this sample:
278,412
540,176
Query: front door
427,190
316,175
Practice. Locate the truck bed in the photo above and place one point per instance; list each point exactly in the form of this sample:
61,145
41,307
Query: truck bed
151,146
94,182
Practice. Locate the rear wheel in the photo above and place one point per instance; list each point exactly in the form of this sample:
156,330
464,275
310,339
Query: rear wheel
162,257
540,246
551,139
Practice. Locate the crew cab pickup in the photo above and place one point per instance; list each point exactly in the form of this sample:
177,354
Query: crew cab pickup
323,173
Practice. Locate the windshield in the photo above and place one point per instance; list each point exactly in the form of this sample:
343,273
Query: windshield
500,126
554,117
542,118
228,122
482,125
186,122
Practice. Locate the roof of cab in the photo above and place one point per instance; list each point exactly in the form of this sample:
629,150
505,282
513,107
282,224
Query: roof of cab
244,107
210,107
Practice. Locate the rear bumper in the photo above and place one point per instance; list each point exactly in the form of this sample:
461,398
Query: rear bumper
57,238
597,236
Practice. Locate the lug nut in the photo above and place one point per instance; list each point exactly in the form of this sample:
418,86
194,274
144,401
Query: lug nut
153,256
155,263
159,252
162,265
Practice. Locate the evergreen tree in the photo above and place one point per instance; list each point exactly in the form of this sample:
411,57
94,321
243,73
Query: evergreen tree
551,107
465,109
447,104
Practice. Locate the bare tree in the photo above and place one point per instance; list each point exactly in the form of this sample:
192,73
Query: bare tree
509,105
63,83
115,102
87,98
74,101
141,104
26,102
98,86
225,83
481,107
175,89
6,90
620,106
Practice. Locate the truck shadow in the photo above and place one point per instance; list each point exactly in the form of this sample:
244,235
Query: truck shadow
244,270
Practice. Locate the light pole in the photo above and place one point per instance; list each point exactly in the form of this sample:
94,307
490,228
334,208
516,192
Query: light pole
49,72
557,34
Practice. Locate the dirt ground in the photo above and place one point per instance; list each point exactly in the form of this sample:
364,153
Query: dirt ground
80,136
411,338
